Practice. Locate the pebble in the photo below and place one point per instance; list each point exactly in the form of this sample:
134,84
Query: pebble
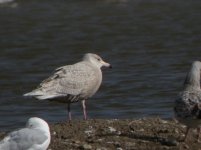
176,130
130,145
117,144
118,132
102,148
99,140
89,131
141,130
110,142
86,147
164,121
111,129
76,142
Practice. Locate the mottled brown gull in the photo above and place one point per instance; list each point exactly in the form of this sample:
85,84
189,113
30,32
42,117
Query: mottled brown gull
35,136
73,83
188,105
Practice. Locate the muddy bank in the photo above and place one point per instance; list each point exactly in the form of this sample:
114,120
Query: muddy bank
142,134
114,134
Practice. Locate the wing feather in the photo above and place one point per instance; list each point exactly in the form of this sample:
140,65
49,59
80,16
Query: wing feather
23,139
77,80
188,105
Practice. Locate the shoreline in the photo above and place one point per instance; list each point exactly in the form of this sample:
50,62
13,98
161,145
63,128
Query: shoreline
120,134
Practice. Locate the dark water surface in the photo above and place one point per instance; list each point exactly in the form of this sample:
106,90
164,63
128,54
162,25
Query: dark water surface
150,43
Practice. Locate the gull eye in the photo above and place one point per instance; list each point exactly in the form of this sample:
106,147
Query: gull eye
98,59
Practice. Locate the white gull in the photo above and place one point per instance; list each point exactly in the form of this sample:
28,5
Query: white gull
35,136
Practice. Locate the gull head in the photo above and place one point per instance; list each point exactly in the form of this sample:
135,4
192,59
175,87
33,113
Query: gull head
197,65
37,123
96,60
193,77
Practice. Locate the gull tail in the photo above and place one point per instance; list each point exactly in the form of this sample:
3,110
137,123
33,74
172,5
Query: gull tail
4,144
34,93
40,95
37,94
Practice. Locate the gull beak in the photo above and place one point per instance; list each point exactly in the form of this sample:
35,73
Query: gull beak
105,64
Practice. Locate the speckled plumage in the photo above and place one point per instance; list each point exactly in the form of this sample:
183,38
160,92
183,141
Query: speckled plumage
188,106
72,83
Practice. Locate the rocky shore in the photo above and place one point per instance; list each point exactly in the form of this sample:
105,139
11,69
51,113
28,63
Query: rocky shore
115,134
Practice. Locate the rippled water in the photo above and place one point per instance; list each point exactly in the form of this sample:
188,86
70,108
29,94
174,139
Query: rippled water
150,43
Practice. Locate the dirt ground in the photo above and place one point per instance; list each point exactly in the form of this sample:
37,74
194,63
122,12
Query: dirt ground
115,134
142,134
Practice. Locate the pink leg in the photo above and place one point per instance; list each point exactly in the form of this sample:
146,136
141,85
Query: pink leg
69,112
84,109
